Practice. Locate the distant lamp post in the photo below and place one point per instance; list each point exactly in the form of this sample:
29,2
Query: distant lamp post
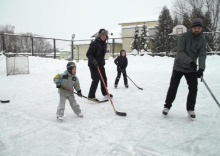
73,36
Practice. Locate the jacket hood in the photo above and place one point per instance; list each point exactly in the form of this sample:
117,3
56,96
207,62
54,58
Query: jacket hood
102,32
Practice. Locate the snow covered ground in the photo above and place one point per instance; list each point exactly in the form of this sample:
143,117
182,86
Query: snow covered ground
28,125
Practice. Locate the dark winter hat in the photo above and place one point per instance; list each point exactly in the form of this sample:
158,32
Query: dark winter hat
197,22
70,66
102,32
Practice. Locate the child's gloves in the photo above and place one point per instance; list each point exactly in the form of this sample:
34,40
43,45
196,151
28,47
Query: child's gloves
58,85
79,93
95,63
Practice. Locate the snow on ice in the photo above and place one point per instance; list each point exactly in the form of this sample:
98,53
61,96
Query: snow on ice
28,124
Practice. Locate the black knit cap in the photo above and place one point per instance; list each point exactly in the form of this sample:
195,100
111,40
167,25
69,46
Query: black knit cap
197,22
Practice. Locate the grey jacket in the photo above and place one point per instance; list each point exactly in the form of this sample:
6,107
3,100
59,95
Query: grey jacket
68,82
190,48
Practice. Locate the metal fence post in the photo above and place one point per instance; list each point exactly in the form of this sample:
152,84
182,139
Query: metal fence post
72,49
113,47
73,36
54,47
32,46
3,42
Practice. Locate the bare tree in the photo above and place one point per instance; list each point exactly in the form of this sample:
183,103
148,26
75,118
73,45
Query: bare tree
25,42
9,41
42,46
213,7
186,6
207,8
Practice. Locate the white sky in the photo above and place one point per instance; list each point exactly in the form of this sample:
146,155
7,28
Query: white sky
62,18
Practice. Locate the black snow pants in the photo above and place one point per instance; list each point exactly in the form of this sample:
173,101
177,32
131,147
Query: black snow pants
95,81
119,75
192,82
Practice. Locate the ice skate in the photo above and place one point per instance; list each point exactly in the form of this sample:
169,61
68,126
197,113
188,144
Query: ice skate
165,111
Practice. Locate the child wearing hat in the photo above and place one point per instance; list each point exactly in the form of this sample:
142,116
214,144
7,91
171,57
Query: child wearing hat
65,83
122,63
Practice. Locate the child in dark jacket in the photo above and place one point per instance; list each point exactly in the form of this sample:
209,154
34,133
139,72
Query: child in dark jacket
122,63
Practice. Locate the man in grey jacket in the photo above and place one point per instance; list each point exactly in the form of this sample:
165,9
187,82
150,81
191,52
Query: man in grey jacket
191,46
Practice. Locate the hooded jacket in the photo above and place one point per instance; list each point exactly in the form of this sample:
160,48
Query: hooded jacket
97,50
68,82
190,48
121,61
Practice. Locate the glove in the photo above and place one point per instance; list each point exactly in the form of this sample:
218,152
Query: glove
58,85
79,93
193,65
119,67
200,73
95,63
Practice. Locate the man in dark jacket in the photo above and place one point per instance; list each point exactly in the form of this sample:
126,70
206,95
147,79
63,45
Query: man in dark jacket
191,46
96,58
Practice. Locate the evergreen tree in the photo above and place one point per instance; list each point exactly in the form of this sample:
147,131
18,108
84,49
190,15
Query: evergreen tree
175,21
207,28
162,41
186,21
143,38
135,42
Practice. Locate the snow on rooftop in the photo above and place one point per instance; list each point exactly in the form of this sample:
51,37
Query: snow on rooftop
133,26
88,41
115,33
141,19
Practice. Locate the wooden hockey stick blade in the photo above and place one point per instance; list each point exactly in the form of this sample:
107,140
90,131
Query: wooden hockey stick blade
103,101
121,113
4,101
140,88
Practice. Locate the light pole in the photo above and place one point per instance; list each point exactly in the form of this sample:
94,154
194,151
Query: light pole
73,36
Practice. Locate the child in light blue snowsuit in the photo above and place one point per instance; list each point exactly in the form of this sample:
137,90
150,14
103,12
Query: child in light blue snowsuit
65,83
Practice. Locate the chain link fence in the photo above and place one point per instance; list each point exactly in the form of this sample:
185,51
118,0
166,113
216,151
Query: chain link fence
13,44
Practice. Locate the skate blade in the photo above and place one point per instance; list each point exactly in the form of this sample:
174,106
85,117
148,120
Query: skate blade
59,120
192,119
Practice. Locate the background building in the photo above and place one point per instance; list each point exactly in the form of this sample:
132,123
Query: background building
128,29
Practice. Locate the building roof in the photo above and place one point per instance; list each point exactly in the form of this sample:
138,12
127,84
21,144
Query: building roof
141,19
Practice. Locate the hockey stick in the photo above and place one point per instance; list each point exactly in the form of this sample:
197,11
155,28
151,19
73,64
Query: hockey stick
85,96
131,80
210,91
4,101
91,99
116,112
